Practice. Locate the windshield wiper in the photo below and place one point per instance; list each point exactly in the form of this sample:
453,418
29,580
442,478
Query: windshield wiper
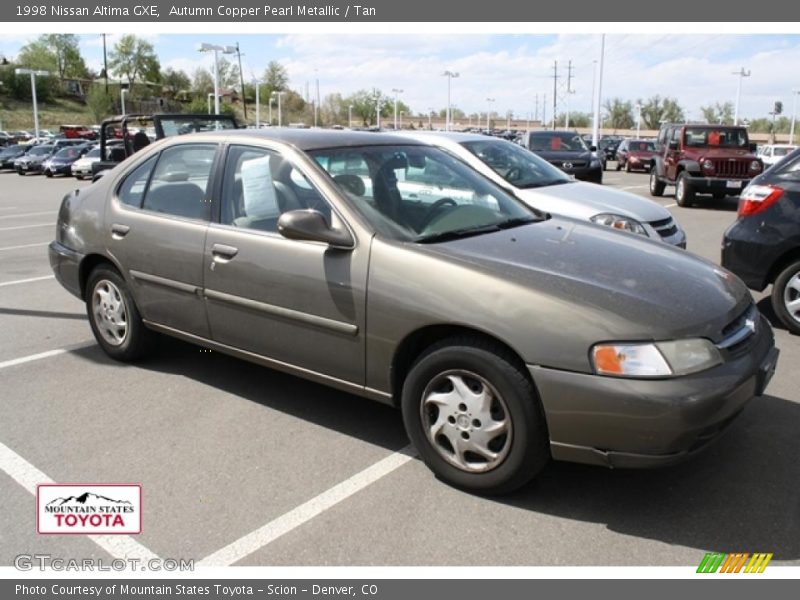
455,234
538,184
517,221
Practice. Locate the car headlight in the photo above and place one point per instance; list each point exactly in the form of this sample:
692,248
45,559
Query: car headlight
708,165
755,165
619,222
660,359
594,164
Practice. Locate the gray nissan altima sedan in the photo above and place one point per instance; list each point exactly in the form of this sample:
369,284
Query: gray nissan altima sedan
392,270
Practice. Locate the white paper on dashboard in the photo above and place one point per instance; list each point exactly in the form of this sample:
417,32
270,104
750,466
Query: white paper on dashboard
259,192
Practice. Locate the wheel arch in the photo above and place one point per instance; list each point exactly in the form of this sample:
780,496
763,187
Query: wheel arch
782,262
418,341
88,264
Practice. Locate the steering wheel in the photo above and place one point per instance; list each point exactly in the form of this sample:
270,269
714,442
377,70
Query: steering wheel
434,210
513,174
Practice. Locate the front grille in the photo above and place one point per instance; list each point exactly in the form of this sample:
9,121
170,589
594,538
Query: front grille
739,334
731,167
576,164
665,227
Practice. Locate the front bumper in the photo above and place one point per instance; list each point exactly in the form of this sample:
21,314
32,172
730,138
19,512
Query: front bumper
592,174
29,167
717,185
66,267
617,422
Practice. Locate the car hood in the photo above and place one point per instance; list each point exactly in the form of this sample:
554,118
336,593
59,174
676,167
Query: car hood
567,156
582,200
642,154
632,288
721,152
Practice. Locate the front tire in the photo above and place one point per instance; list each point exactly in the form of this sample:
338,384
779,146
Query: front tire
684,194
475,417
786,297
656,185
113,316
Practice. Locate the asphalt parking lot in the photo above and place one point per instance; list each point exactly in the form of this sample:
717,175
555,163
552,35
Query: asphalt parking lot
243,465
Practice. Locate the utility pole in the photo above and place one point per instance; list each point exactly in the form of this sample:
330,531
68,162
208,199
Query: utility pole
569,91
741,73
544,111
105,62
241,80
536,117
596,125
555,92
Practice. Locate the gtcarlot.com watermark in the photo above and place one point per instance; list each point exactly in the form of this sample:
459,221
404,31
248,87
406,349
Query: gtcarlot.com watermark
42,562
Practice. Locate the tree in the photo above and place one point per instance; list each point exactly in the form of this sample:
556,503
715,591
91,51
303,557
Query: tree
619,113
134,58
56,52
718,113
175,81
99,103
657,109
275,76
227,74
576,119
202,82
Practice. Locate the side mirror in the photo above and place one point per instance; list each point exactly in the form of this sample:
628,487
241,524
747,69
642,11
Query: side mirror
673,145
593,148
310,225
753,148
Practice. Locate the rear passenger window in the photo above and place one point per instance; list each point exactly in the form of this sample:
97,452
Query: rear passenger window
180,180
132,189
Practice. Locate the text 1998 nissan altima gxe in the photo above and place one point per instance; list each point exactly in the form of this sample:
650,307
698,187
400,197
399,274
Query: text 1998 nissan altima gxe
392,270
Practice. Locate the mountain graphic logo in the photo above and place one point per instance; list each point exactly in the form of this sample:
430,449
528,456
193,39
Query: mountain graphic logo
86,499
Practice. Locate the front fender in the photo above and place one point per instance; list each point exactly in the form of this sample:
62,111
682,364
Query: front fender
658,166
690,166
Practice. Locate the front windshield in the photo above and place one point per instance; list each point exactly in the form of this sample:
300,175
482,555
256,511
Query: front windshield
782,151
420,193
641,147
67,153
723,137
516,165
41,150
557,141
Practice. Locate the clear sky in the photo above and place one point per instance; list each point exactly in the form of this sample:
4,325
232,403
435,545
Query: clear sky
512,69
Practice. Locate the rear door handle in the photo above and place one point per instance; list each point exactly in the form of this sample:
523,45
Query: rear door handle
119,231
224,253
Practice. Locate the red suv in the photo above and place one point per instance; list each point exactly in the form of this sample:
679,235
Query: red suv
703,159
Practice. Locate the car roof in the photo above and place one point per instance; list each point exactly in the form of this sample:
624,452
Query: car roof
552,131
311,139
454,136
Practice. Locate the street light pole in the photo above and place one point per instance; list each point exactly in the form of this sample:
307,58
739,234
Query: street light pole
270,111
378,110
430,118
401,119
258,103
210,95
396,91
450,75
488,112
598,97
280,115
741,74
638,119
795,93
205,47
350,116
33,73
122,93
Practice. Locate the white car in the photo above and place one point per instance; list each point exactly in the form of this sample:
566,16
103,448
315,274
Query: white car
547,188
772,153
83,166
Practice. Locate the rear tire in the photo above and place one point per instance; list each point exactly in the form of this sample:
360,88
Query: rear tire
684,194
786,297
475,417
628,167
113,316
619,165
656,185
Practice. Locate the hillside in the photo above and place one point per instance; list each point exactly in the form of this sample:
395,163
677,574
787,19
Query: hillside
17,114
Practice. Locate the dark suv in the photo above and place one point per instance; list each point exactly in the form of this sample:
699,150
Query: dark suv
763,245
703,159
567,151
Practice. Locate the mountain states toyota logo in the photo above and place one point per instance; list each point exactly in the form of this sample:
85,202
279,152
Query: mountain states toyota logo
89,509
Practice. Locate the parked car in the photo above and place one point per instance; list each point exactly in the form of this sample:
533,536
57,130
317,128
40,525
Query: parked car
60,163
82,167
6,138
505,336
546,188
22,136
635,155
10,154
763,245
703,159
567,151
607,145
772,153
33,160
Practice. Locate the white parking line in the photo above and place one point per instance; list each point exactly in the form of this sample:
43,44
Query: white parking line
670,205
28,476
634,187
24,246
32,357
32,279
305,512
27,226
33,214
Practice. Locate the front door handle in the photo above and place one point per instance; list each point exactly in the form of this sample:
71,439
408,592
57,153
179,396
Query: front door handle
119,231
223,253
